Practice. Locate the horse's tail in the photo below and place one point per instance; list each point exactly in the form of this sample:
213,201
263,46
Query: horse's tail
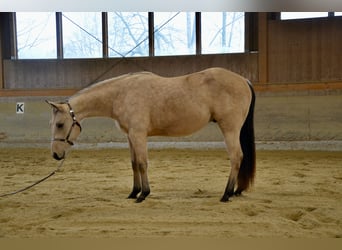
247,167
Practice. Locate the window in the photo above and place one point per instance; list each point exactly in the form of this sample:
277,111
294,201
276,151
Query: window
128,34
36,35
175,33
223,32
301,15
82,34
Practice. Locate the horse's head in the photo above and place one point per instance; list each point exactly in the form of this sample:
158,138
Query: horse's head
64,127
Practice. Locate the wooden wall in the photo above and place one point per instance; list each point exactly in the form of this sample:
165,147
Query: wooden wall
78,73
305,50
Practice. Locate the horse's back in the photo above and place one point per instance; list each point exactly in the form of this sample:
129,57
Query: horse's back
147,82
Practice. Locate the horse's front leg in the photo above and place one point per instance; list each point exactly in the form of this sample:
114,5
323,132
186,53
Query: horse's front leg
138,144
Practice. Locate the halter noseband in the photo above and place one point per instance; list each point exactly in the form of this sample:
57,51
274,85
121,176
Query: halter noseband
74,122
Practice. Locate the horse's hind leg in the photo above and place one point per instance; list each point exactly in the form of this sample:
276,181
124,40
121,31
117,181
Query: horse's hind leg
235,155
136,174
138,144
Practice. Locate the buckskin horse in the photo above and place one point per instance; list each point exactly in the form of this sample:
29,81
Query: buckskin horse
145,104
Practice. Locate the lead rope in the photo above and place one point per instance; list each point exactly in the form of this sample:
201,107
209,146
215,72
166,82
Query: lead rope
37,182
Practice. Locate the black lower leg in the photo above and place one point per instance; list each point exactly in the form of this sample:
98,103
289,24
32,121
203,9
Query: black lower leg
238,192
134,193
136,181
142,196
229,192
145,187
226,196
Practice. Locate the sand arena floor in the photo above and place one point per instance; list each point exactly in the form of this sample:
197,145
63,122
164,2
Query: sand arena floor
296,194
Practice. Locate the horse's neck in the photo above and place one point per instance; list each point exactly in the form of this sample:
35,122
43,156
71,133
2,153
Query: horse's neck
92,103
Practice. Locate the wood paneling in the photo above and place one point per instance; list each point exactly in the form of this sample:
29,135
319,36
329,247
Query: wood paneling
37,92
305,50
263,48
78,73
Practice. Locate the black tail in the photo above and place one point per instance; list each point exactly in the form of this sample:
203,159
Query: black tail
247,167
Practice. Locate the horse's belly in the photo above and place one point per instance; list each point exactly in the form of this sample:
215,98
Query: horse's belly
179,127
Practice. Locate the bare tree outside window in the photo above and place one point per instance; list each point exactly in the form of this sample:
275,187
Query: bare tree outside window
174,33
223,32
128,34
36,35
82,35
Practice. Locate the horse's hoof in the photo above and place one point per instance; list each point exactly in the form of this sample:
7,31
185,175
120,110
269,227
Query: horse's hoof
134,193
132,196
224,199
139,199
238,193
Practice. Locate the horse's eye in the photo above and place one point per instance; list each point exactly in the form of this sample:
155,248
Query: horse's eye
59,125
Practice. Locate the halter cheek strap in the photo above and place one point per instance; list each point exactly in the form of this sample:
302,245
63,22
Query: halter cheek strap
72,114
74,122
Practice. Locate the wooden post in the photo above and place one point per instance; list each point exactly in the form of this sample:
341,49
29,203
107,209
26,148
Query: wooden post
198,33
8,44
59,35
262,47
105,35
13,34
1,59
151,33
2,85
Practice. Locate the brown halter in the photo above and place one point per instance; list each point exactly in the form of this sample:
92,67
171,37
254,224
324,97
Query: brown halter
74,122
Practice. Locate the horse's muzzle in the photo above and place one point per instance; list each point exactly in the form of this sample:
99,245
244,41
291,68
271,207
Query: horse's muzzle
58,158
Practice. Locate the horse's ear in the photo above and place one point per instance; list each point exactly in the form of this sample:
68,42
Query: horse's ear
54,106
